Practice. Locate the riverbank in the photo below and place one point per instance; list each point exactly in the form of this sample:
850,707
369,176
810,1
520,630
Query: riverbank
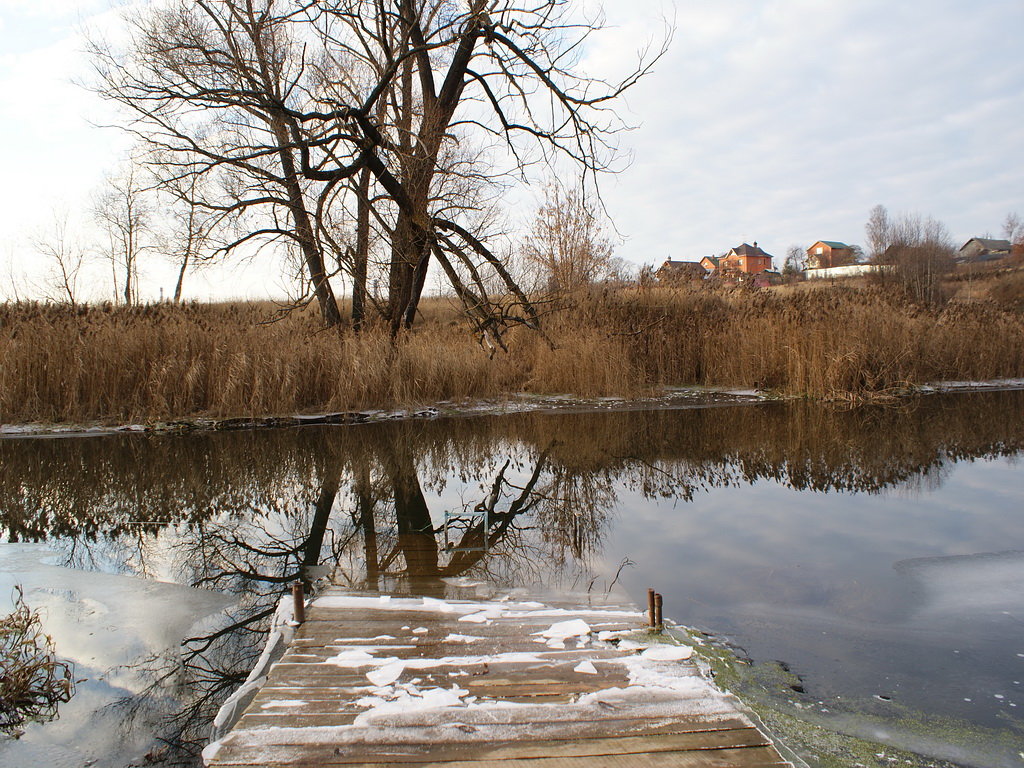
170,364
674,398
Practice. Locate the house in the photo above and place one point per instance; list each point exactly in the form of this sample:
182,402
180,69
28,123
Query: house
710,264
680,271
826,254
743,259
983,249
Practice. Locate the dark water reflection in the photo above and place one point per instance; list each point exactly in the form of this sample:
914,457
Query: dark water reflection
875,551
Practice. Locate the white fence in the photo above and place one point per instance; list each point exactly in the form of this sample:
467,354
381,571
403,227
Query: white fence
852,270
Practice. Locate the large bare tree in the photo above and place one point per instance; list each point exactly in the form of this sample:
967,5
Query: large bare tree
324,118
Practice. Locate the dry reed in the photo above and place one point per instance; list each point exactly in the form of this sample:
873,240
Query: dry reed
59,364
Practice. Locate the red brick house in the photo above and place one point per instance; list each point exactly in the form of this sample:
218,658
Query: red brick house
825,254
743,259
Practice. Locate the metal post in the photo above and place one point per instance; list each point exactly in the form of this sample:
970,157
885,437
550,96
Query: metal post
657,611
650,607
299,602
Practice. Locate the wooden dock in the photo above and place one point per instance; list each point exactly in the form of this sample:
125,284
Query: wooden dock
505,683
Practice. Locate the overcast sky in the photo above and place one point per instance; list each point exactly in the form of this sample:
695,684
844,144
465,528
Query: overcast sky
780,121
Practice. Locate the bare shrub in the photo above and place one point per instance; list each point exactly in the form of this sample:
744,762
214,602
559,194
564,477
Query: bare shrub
32,681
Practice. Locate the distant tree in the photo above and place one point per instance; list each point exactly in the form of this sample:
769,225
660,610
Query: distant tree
122,212
857,254
567,245
919,254
65,255
878,231
1013,229
188,227
794,264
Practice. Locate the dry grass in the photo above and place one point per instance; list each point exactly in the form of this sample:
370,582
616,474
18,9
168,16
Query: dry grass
169,362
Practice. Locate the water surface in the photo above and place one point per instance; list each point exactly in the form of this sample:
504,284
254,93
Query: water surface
877,552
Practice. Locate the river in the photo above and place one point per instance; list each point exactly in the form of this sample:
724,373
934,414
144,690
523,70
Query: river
865,565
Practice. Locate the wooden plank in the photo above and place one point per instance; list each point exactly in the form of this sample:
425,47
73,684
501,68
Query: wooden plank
460,653
534,731
568,717
439,752
742,757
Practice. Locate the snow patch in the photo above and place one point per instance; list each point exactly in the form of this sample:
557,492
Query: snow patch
386,673
667,653
283,703
563,630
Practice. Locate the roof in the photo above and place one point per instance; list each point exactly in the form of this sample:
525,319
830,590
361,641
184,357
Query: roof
749,250
713,259
989,244
682,266
832,243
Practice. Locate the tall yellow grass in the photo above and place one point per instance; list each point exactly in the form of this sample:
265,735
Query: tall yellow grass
59,364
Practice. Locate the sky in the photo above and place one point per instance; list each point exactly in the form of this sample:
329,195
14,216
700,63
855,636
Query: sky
776,121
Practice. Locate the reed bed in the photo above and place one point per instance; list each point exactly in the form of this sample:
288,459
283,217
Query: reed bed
115,364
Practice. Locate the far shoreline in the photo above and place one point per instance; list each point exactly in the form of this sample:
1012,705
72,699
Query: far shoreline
670,398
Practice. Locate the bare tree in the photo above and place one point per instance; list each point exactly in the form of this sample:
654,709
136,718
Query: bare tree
878,231
188,231
567,245
290,102
123,213
919,253
65,255
794,264
1013,229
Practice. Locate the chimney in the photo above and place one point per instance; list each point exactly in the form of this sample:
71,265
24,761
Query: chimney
755,243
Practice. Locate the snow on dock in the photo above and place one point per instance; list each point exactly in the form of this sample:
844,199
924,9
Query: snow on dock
374,681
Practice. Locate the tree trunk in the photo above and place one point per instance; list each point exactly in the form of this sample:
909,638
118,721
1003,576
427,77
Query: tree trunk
419,278
415,528
364,509
304,235
321,517
362,255
181,279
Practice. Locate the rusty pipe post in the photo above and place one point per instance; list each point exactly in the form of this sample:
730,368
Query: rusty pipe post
650,608
298,602
657,611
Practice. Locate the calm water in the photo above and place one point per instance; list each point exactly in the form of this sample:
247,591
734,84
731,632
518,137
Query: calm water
878,553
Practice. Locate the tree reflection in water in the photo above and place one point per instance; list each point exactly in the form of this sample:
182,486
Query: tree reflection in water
527,499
